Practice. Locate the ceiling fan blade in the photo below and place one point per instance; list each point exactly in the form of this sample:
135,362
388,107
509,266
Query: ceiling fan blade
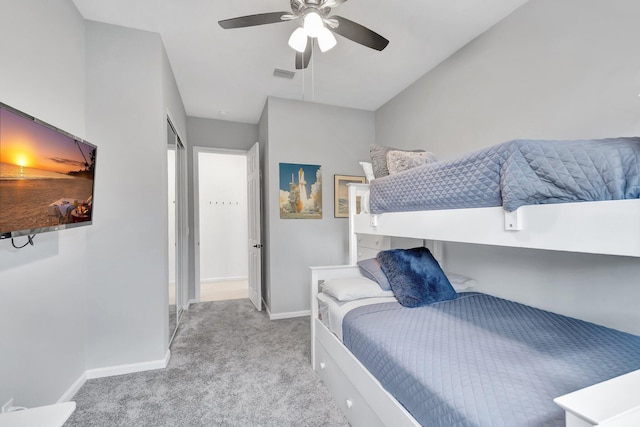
302,59
332,3
331,23
252,20
359,34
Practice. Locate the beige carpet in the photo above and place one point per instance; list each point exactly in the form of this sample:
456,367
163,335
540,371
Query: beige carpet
222,291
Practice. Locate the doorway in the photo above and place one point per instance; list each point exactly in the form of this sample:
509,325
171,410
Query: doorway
221,222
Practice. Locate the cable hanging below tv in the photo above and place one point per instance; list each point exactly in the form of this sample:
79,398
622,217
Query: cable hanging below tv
46,177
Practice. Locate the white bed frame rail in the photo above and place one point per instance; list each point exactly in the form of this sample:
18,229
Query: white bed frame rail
356,391
604,227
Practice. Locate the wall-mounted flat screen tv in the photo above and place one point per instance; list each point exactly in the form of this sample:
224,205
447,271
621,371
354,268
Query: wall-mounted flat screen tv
46,176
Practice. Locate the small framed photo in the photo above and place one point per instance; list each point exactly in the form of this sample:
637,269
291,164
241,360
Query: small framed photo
341,193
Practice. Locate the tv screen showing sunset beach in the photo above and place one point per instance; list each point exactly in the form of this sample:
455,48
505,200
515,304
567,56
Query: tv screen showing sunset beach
46,176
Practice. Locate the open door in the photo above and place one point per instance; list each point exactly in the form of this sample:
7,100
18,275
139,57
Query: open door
255,244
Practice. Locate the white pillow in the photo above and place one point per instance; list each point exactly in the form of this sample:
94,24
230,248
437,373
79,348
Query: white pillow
351,288
368,171
459,282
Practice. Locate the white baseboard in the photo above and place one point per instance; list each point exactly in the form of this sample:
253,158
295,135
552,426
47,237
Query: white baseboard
129,369
289,315
71,391
112,371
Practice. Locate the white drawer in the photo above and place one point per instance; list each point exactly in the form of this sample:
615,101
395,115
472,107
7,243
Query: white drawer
352,404
373,242
366,253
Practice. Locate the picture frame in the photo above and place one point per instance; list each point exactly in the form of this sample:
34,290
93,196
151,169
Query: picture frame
341,194
300,191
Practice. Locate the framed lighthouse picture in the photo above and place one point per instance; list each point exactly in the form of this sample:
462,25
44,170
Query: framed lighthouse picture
300,191
341,194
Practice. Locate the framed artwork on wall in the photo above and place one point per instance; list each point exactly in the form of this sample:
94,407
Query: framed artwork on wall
300,191
341,194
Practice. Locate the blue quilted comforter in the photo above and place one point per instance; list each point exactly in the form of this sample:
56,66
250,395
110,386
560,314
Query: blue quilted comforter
516,173
484,361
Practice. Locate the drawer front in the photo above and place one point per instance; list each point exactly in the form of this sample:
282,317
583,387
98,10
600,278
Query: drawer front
366,253
354,407
373,242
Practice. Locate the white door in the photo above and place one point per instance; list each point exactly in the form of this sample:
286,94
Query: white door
255,244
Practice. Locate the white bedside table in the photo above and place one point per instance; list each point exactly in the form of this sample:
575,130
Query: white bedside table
42,416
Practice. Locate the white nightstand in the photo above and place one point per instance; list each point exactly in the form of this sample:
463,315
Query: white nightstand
612,403
43,416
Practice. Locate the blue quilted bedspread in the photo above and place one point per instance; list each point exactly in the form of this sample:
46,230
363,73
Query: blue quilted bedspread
516,173
484,361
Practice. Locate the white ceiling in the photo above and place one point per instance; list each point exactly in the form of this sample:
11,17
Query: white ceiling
228,74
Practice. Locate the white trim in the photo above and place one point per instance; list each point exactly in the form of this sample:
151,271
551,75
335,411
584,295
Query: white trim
112,371
197,149
602,227
196,224
129,369
73,389
287,315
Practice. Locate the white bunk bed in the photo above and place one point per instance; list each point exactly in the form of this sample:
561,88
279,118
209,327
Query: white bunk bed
604,227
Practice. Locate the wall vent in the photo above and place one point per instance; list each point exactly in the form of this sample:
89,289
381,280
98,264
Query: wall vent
283,73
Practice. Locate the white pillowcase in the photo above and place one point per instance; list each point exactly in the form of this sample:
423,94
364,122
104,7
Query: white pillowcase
352,288
459,282
368,171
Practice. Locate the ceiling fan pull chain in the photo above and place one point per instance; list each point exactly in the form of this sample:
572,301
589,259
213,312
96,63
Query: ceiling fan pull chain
313,81
304,84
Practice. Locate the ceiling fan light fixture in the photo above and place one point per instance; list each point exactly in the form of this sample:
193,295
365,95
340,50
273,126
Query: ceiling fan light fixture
326,40
313,24
298,40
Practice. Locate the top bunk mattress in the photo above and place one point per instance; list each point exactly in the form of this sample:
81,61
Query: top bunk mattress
484,361
516,173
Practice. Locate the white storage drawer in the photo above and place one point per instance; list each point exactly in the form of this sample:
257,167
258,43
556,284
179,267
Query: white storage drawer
373,242
366,253
344,393
369,245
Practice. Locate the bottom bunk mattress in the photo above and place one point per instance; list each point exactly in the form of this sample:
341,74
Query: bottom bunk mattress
484,361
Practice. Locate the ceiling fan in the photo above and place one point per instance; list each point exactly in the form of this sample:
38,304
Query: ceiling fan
317,25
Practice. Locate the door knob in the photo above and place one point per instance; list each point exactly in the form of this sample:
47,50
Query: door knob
259,246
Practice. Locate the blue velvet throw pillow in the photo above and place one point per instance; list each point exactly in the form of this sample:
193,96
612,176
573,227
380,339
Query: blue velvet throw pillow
415,276
370,268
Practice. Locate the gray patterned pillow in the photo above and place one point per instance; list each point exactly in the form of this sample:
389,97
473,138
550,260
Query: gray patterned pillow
379,159
398,161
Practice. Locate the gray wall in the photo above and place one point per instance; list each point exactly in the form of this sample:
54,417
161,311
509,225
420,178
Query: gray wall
553,69
336,139
215,134
92,297
128,98
42,287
